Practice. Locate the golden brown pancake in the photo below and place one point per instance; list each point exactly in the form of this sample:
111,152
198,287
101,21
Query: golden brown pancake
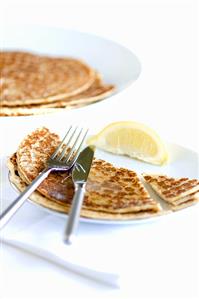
111,193
178,193
33,152
59,198
97,91
32,79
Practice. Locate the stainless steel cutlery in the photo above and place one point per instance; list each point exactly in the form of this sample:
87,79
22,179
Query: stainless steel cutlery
63,159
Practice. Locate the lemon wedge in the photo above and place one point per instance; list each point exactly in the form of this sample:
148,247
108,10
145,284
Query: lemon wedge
132,139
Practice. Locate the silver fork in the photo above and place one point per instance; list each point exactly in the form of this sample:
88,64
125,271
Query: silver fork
58,161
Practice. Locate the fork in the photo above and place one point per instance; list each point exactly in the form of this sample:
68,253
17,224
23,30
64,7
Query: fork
58,161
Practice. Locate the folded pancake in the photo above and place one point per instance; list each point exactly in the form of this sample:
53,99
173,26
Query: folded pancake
97,91
111,193
33,79
179,193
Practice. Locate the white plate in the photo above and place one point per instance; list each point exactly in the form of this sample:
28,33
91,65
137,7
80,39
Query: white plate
183,163
117,64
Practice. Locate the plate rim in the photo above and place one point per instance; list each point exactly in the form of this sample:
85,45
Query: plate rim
89,34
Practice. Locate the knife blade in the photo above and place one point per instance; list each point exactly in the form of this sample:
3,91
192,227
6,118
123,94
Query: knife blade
80,175
83,164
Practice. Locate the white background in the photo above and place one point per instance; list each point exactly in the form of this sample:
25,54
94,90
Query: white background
163,34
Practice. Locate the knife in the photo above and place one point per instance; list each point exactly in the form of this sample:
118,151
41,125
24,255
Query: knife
80,174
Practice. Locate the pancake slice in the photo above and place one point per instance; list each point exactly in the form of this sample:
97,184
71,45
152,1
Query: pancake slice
111,192
179,193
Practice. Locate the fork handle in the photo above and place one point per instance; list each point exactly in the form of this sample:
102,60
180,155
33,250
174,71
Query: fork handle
18,202
74,213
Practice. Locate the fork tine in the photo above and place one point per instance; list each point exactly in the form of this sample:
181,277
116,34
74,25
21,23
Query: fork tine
58,148
67,159
67,145
73,146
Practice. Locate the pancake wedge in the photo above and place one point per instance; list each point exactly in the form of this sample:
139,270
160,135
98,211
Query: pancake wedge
179,193
111,192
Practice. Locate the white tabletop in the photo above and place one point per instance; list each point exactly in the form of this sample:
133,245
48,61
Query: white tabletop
163,35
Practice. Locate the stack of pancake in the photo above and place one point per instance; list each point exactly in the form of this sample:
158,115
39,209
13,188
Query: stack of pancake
111,192
33,84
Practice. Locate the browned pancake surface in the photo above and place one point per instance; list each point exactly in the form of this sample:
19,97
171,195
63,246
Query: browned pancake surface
177,192
54,202
34,151
111,192
63,207
97,91
31,79
108,189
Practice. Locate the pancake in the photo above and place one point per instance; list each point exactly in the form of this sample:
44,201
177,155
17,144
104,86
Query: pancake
111,192
33,152
33,79
54,203
97,91
179,193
